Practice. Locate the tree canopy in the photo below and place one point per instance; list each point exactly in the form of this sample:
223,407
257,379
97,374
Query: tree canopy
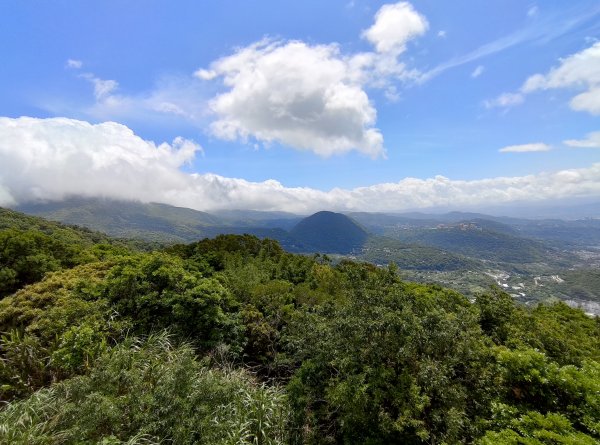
233,340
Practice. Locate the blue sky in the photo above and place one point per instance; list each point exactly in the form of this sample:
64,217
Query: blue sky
357,94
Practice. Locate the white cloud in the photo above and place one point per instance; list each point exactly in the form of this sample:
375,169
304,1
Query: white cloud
173,99
169,108
537,146
442,34
540,31
395,24
102,88
304,96
205,74
592,140
55,158
307,97
578,71
505,100
313,97
52,158
74,64
477,71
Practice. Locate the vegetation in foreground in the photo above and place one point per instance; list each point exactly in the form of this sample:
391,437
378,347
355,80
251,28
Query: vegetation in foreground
233,341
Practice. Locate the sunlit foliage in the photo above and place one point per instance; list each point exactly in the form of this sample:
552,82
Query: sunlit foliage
235,341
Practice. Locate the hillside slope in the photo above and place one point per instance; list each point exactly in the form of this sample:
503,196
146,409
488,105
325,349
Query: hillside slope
128,219
470,238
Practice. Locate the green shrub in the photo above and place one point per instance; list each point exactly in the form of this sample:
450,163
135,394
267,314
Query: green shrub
150,390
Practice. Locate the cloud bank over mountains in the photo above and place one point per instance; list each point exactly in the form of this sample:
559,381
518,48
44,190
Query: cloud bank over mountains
50,159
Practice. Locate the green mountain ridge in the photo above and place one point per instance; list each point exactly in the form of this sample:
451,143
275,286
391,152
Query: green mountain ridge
128,219
459,250
471,239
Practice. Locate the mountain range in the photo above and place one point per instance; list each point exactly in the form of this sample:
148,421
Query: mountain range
468,251
474,234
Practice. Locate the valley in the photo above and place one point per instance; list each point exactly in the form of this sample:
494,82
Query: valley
532,260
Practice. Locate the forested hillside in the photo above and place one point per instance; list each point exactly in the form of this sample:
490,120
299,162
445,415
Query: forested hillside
155,222
233,340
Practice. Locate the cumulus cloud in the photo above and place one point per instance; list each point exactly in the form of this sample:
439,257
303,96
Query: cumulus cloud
296,94
313,97
580,71
395,24
523,148
592,140
304,96
505,100
54,158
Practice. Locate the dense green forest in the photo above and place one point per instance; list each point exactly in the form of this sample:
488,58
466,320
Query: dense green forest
232,340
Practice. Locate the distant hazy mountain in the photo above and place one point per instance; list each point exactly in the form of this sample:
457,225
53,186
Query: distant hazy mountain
475,240
531,259
561,209
255,218
582,233
379,222
128,219
493,238
330,232
165,223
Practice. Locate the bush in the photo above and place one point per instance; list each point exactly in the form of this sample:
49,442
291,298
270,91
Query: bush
150,390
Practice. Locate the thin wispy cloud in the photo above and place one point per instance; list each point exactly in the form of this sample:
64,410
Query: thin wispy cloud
103,88
478,71
505,100
526,148
541,31
172,99
74,64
